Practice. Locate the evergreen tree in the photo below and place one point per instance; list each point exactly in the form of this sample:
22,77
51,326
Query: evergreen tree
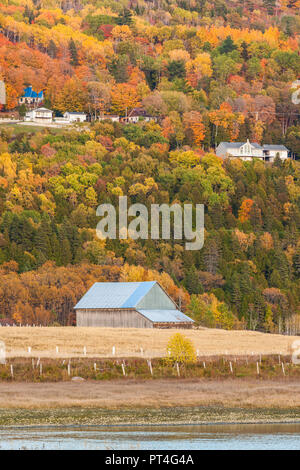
29,14
125,17
176,69
191,281
52,49
245,53
296,262
73,53
211,256
227,46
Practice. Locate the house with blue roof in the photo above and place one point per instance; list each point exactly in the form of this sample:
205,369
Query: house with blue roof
31,97
129,305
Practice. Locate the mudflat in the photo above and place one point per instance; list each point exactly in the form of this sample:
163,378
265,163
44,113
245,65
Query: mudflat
247,393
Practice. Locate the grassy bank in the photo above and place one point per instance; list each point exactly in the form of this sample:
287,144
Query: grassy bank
56,370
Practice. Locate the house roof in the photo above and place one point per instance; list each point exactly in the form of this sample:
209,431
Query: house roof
108,116
75,112
43,109
30,93
115,294
239,144
275,147
161,316
139,112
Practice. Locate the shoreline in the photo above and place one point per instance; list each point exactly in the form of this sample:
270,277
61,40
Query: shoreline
159,402
149,425
162,417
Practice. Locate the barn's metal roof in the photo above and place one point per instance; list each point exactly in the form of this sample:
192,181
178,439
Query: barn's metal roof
162,316
115,294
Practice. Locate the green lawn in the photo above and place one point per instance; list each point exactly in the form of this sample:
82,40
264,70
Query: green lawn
21,129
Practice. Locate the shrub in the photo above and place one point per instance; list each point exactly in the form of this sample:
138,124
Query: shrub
181,349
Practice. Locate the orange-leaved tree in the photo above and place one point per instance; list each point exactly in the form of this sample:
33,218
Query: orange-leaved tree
193,121
124,98
244,210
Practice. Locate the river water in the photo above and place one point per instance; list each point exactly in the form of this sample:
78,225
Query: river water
188,437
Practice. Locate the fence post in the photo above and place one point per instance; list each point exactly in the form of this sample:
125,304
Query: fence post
257,368
12,370
123,369
177,367
230,365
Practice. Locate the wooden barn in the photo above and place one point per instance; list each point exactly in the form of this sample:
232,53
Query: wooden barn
129,305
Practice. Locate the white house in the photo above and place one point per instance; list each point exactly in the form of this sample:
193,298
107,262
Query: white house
138,114
271,151
110,117
248,151
39,115
75,117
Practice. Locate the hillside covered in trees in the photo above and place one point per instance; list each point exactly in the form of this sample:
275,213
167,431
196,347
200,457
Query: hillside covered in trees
209,72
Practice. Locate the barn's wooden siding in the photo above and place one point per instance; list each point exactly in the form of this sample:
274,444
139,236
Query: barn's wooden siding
117,318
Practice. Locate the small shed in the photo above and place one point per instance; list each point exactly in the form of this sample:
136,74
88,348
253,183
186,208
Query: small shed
75,116
109,117
129,305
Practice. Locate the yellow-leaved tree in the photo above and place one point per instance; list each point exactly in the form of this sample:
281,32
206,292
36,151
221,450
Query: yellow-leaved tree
181,349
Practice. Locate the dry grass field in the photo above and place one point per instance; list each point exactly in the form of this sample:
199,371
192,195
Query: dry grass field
99,342
118,394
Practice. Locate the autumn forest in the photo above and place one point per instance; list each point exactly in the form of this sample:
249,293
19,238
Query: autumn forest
206,72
